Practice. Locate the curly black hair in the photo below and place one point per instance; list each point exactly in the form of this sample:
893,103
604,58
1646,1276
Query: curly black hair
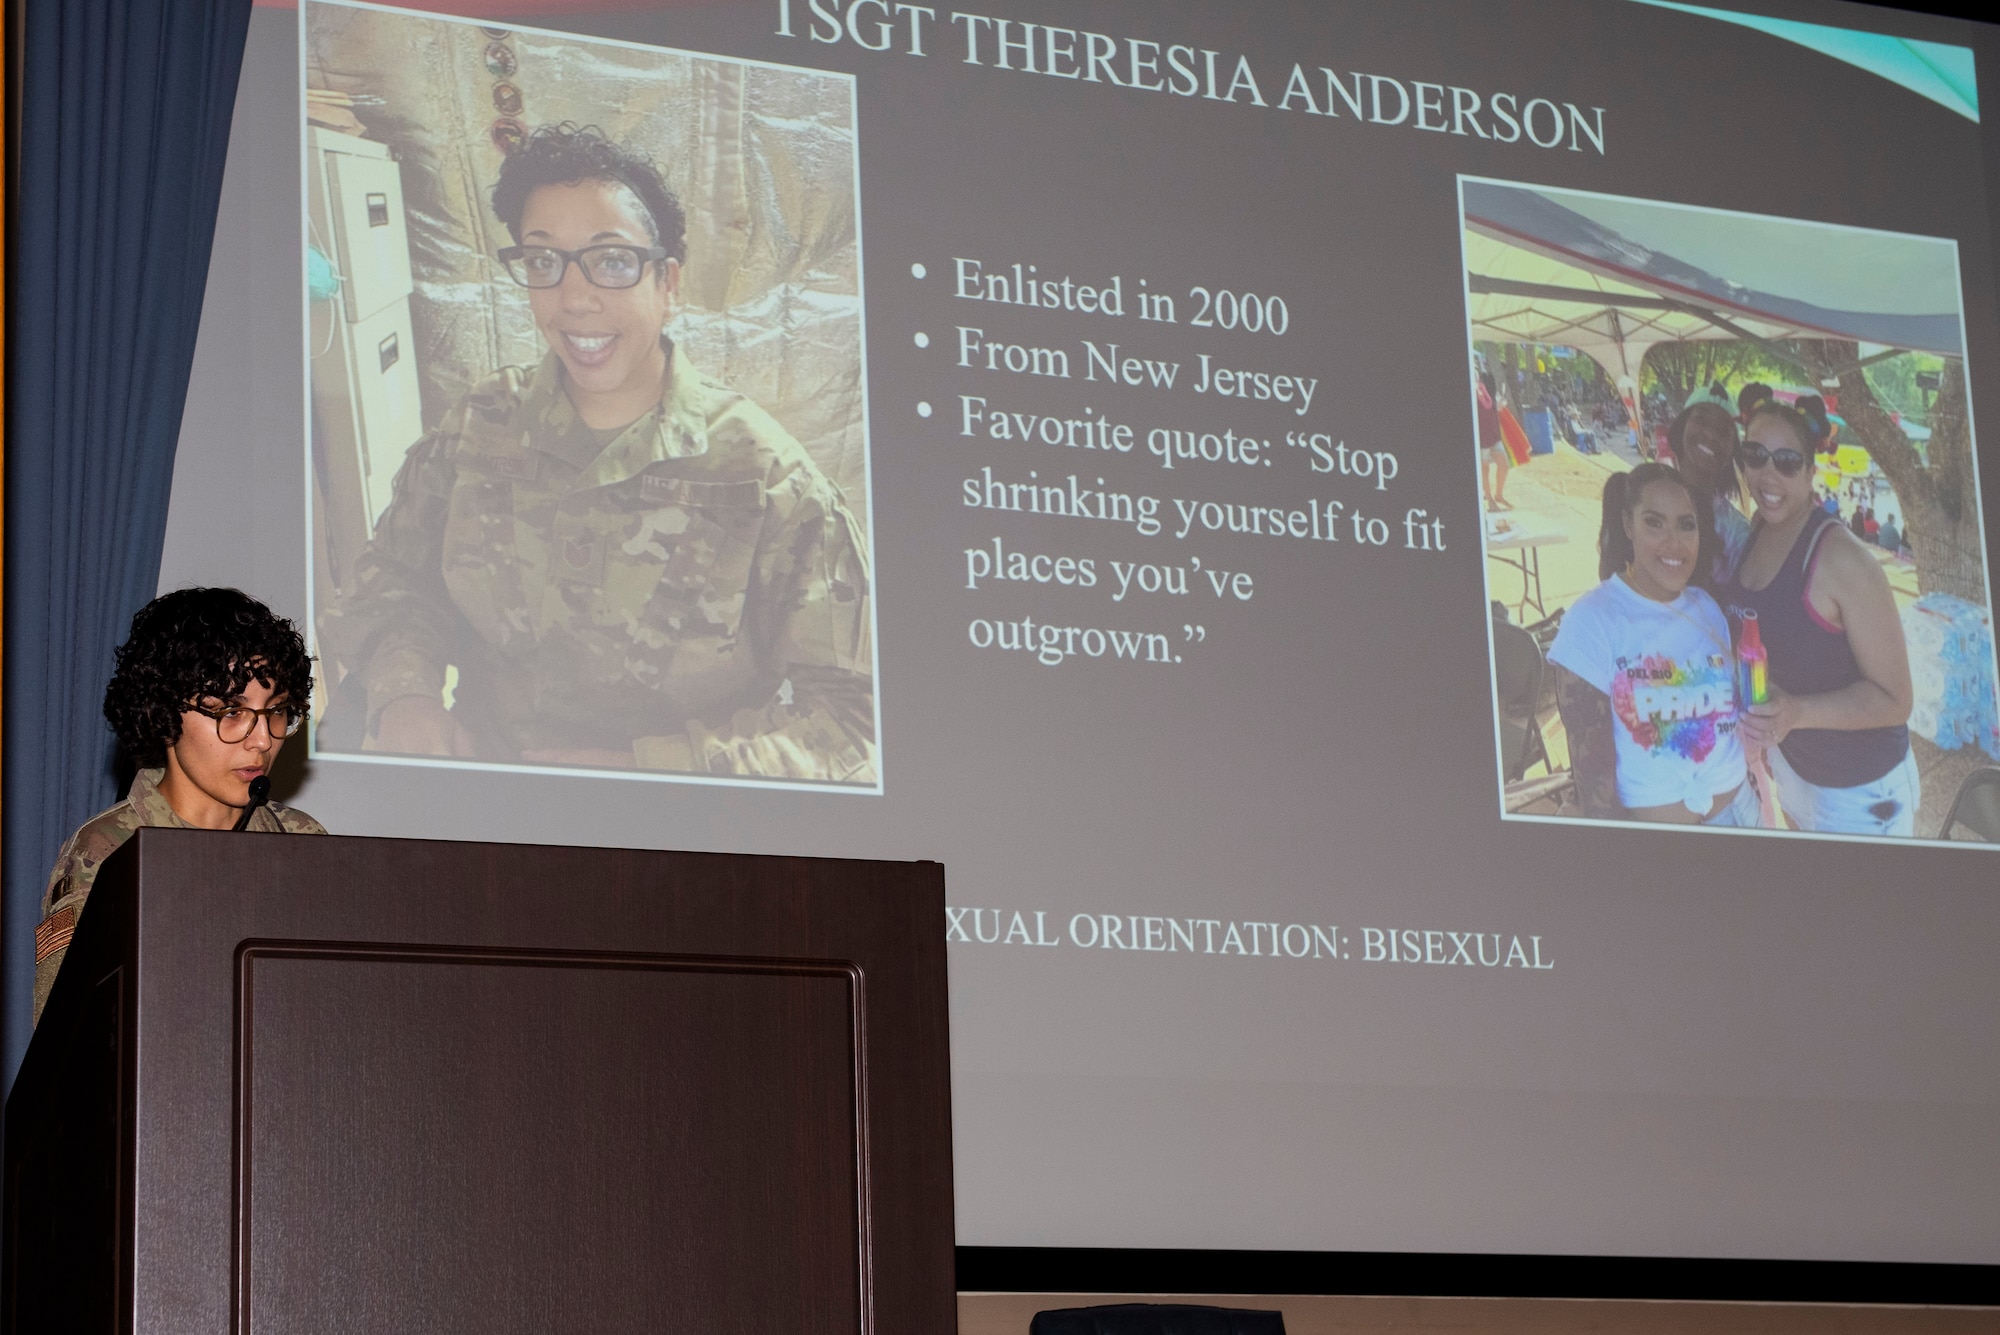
193,643
568,153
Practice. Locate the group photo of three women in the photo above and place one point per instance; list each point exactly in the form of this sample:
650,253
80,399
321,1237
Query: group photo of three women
1742,660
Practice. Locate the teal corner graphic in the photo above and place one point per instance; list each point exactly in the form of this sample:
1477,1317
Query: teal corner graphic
1942,73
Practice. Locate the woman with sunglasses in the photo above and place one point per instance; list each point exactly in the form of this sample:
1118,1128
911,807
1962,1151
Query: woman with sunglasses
206,690
1835,727
1643,666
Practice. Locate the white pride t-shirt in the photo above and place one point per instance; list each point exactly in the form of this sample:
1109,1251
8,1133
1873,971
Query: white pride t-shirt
1670,675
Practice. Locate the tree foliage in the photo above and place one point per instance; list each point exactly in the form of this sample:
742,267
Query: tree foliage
1679,369
1894,383
1936,487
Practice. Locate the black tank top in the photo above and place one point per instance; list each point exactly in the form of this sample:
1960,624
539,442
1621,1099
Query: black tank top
1808,657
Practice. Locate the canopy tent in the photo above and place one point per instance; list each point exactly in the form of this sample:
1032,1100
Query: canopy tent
1611,277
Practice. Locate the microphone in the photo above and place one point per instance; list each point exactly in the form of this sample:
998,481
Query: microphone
260,793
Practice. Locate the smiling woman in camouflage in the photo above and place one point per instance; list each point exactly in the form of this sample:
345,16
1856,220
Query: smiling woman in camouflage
629,564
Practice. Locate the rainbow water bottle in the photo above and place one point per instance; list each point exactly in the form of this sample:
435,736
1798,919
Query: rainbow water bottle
1753,665
1753,687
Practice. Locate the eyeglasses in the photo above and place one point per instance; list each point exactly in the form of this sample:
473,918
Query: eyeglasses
1752,455
234,723
604,266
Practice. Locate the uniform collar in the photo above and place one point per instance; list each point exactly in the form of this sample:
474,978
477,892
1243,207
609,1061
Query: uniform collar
152,807
677,429
154,810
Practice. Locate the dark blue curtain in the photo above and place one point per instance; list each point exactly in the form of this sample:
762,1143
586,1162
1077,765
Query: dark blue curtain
124,124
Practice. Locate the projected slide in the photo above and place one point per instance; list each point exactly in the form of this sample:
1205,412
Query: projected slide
1763,607
589,421
1424,569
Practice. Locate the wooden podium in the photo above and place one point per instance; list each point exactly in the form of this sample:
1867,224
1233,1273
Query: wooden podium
290,1085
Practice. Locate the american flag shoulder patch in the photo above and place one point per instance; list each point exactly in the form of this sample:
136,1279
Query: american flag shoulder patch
54,932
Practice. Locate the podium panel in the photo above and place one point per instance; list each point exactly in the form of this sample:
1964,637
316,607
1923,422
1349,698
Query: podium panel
377,1085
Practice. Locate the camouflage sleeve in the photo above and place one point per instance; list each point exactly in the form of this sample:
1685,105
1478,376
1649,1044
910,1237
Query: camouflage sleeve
69,886
61,903
821,725
396,626
807,614
46,969
58,887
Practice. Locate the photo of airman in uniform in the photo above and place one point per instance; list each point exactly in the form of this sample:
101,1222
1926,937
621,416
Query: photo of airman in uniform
608,560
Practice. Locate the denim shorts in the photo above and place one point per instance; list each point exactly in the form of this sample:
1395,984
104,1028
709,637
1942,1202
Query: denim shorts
1888,806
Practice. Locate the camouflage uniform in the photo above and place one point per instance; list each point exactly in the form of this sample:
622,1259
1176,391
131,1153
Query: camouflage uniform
101,836
694,591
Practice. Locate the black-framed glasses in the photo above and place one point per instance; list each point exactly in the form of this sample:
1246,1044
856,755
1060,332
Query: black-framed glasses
1752,455
234,723
612,266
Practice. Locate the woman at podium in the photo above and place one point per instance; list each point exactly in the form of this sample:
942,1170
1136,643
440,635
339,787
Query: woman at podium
206,689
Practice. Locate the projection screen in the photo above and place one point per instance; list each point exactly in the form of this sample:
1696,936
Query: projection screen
1422,567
